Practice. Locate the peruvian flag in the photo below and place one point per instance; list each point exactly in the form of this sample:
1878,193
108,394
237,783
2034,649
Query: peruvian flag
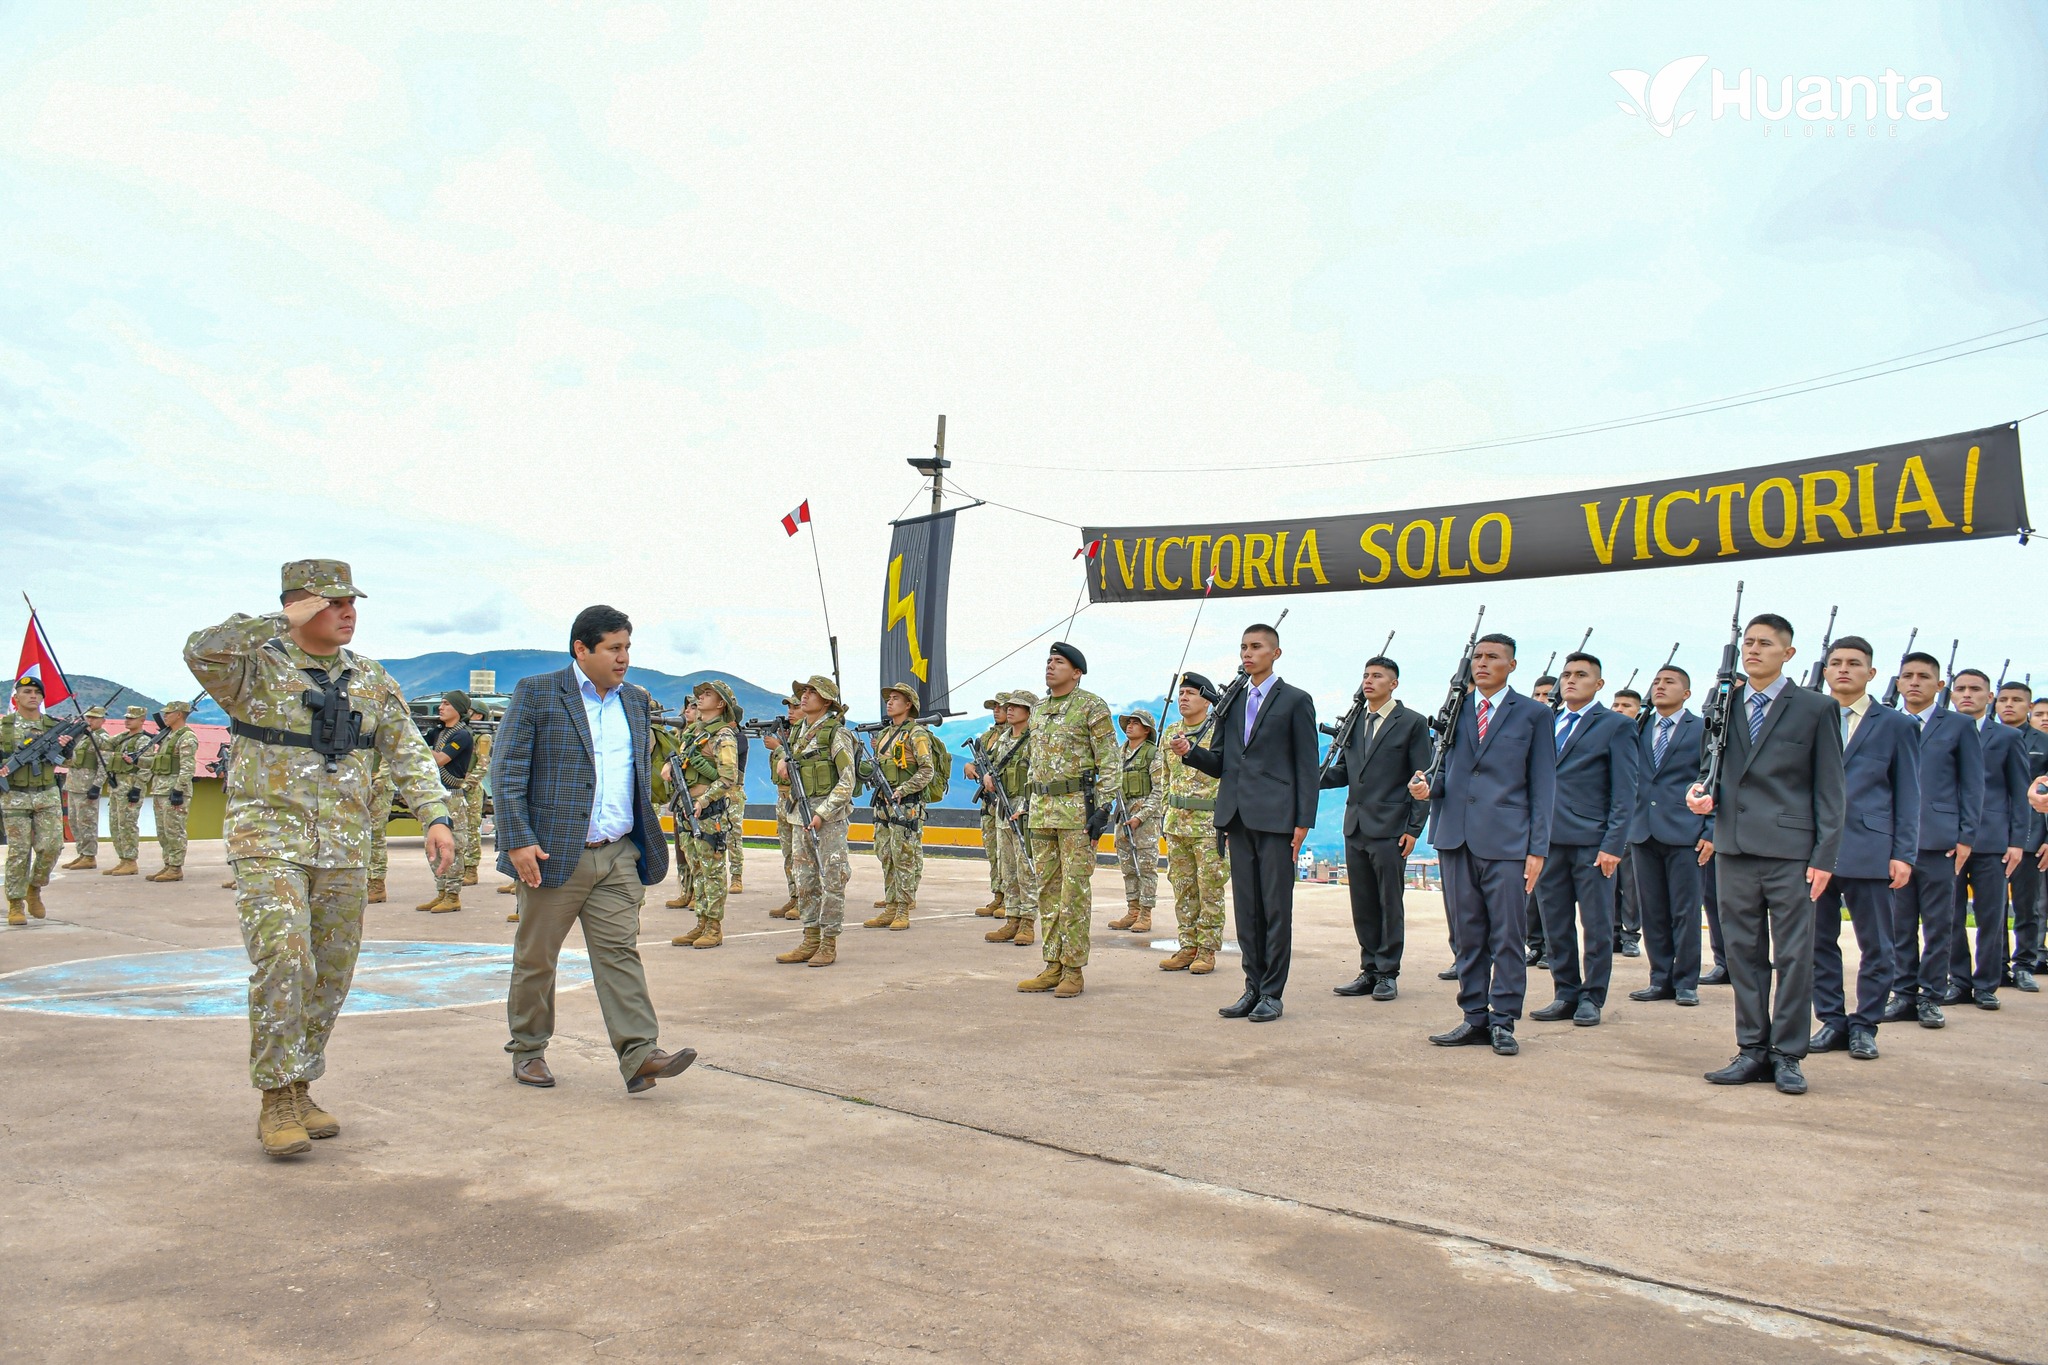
1091,549
797,518
38,662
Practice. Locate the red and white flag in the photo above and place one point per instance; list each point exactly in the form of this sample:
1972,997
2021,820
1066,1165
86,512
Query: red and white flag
1091,549
39,663
797,518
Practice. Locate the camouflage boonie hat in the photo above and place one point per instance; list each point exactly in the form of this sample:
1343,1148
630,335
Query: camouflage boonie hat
135,713
796,694
180,707
1023,697
905,691
95,713
825,688
724,693
993,702
322,578
1151,726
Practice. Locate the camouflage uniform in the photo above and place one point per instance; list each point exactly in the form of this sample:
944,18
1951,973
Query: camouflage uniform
84,783
298,835
127,781
449,884
820,753
473,807
381,792
1137,850
990,844
736,825
33,812
171,770
1009,760
1194,867
711,762
903,758
1073,742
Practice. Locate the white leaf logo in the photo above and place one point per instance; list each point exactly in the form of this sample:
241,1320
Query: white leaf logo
1655,99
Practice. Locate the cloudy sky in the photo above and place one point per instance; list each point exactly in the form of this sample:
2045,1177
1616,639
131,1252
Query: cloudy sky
522,306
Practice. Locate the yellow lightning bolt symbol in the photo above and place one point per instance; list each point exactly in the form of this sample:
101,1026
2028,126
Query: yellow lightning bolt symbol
903,607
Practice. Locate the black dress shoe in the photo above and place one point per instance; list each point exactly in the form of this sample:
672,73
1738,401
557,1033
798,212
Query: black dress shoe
1503,1040
1954,994
1899,1009
1560,1008
1464,1035
1827,1038
1742,1070
1265,1012
1930,1014
1245,1004
1359,985
1448,974
1648,993
1862,1044
1687,997
1789,1079
1542,964
1631,950
1533,957
1587,1014
1716,975
1385,989
1987,1000
2023,980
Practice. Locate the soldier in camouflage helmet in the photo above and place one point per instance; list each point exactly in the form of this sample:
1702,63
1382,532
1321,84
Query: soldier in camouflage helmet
710,760
298,817
127,782
33,811
1197,869
903,760
1137,827
1009,767
819,759
84,783
171,770
976,768
686,876
1073,759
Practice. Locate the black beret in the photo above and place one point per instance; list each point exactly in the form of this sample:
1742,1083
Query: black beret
1071,655
1201,685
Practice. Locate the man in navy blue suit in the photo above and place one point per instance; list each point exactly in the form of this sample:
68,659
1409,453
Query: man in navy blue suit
1596,796
2001,843
1669,844
1880,836
1490,826
1951,805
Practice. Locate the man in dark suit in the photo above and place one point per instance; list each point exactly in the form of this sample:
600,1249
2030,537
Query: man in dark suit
1596,796
576,826
1951,806
2001,843
1264,754
1778,830
1668,844
2015,701
1491,829
1382,821
1880,835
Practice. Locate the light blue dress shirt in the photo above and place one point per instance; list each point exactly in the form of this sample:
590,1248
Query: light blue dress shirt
611,752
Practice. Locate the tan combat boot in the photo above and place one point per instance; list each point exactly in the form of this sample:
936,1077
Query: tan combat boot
1027,932
1179,962
469,876
828,952
735,889
125,868
376,891
35,902
713,935
991,910
880,904
228,885
512,918
1205,962
448,900
1070,984
803,952
79,860
317,1122
779,911
1143,924
1130,917
903,909
277,1124
169,874
1003,932
430,902
883,920
509,889
15,915
1045,980
685,940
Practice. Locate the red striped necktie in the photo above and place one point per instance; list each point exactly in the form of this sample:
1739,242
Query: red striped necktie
1485,714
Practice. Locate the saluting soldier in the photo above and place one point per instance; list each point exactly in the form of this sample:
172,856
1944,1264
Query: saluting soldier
1196,866
1137,830
171,769
903,752
124,790
819,760
1073,754
308,712
1008,766
711,767
34,813
83,784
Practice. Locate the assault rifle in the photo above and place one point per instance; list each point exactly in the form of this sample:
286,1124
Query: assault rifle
1817,676
149,747
1947,678
1715,711
680,803
1006,810
780,729
1445,726
43,751
1556,702
868,768
1643,719
1891,692
1340,733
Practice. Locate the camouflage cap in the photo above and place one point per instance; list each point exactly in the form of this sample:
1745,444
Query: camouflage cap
825,688
1151,726
993,702
905,691
724,694
180,707
135,713
322,578
95,713
1023,697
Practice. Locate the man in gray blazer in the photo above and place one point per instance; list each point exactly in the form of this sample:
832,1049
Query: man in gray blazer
576,826
1778,827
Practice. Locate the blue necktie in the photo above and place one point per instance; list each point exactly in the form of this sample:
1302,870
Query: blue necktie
1663,741
1564,735
1847,717
1757,705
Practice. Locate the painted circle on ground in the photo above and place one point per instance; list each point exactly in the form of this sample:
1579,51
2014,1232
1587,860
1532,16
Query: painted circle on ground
213,983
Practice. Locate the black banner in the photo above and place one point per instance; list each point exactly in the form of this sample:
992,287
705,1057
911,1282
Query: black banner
914,593
1949,488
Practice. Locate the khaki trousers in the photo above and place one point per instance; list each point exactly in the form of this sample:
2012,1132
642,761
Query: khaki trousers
605,893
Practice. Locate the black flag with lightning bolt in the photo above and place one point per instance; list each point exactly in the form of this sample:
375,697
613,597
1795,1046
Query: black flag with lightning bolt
914,593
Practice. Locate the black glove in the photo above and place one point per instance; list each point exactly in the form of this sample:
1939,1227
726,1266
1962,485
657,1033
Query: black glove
177,797
92,793
135,796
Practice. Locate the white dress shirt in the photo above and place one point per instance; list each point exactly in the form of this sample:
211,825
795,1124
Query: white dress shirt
611,752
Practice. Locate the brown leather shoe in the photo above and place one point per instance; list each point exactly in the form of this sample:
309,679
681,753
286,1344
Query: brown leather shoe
660,1066
534,1072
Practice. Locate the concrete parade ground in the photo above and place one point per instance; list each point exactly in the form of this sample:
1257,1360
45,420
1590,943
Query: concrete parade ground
902,1157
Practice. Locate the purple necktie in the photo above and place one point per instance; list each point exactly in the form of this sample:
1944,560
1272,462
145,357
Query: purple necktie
1251,712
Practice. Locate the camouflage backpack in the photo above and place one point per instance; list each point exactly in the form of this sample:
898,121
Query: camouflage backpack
942,768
